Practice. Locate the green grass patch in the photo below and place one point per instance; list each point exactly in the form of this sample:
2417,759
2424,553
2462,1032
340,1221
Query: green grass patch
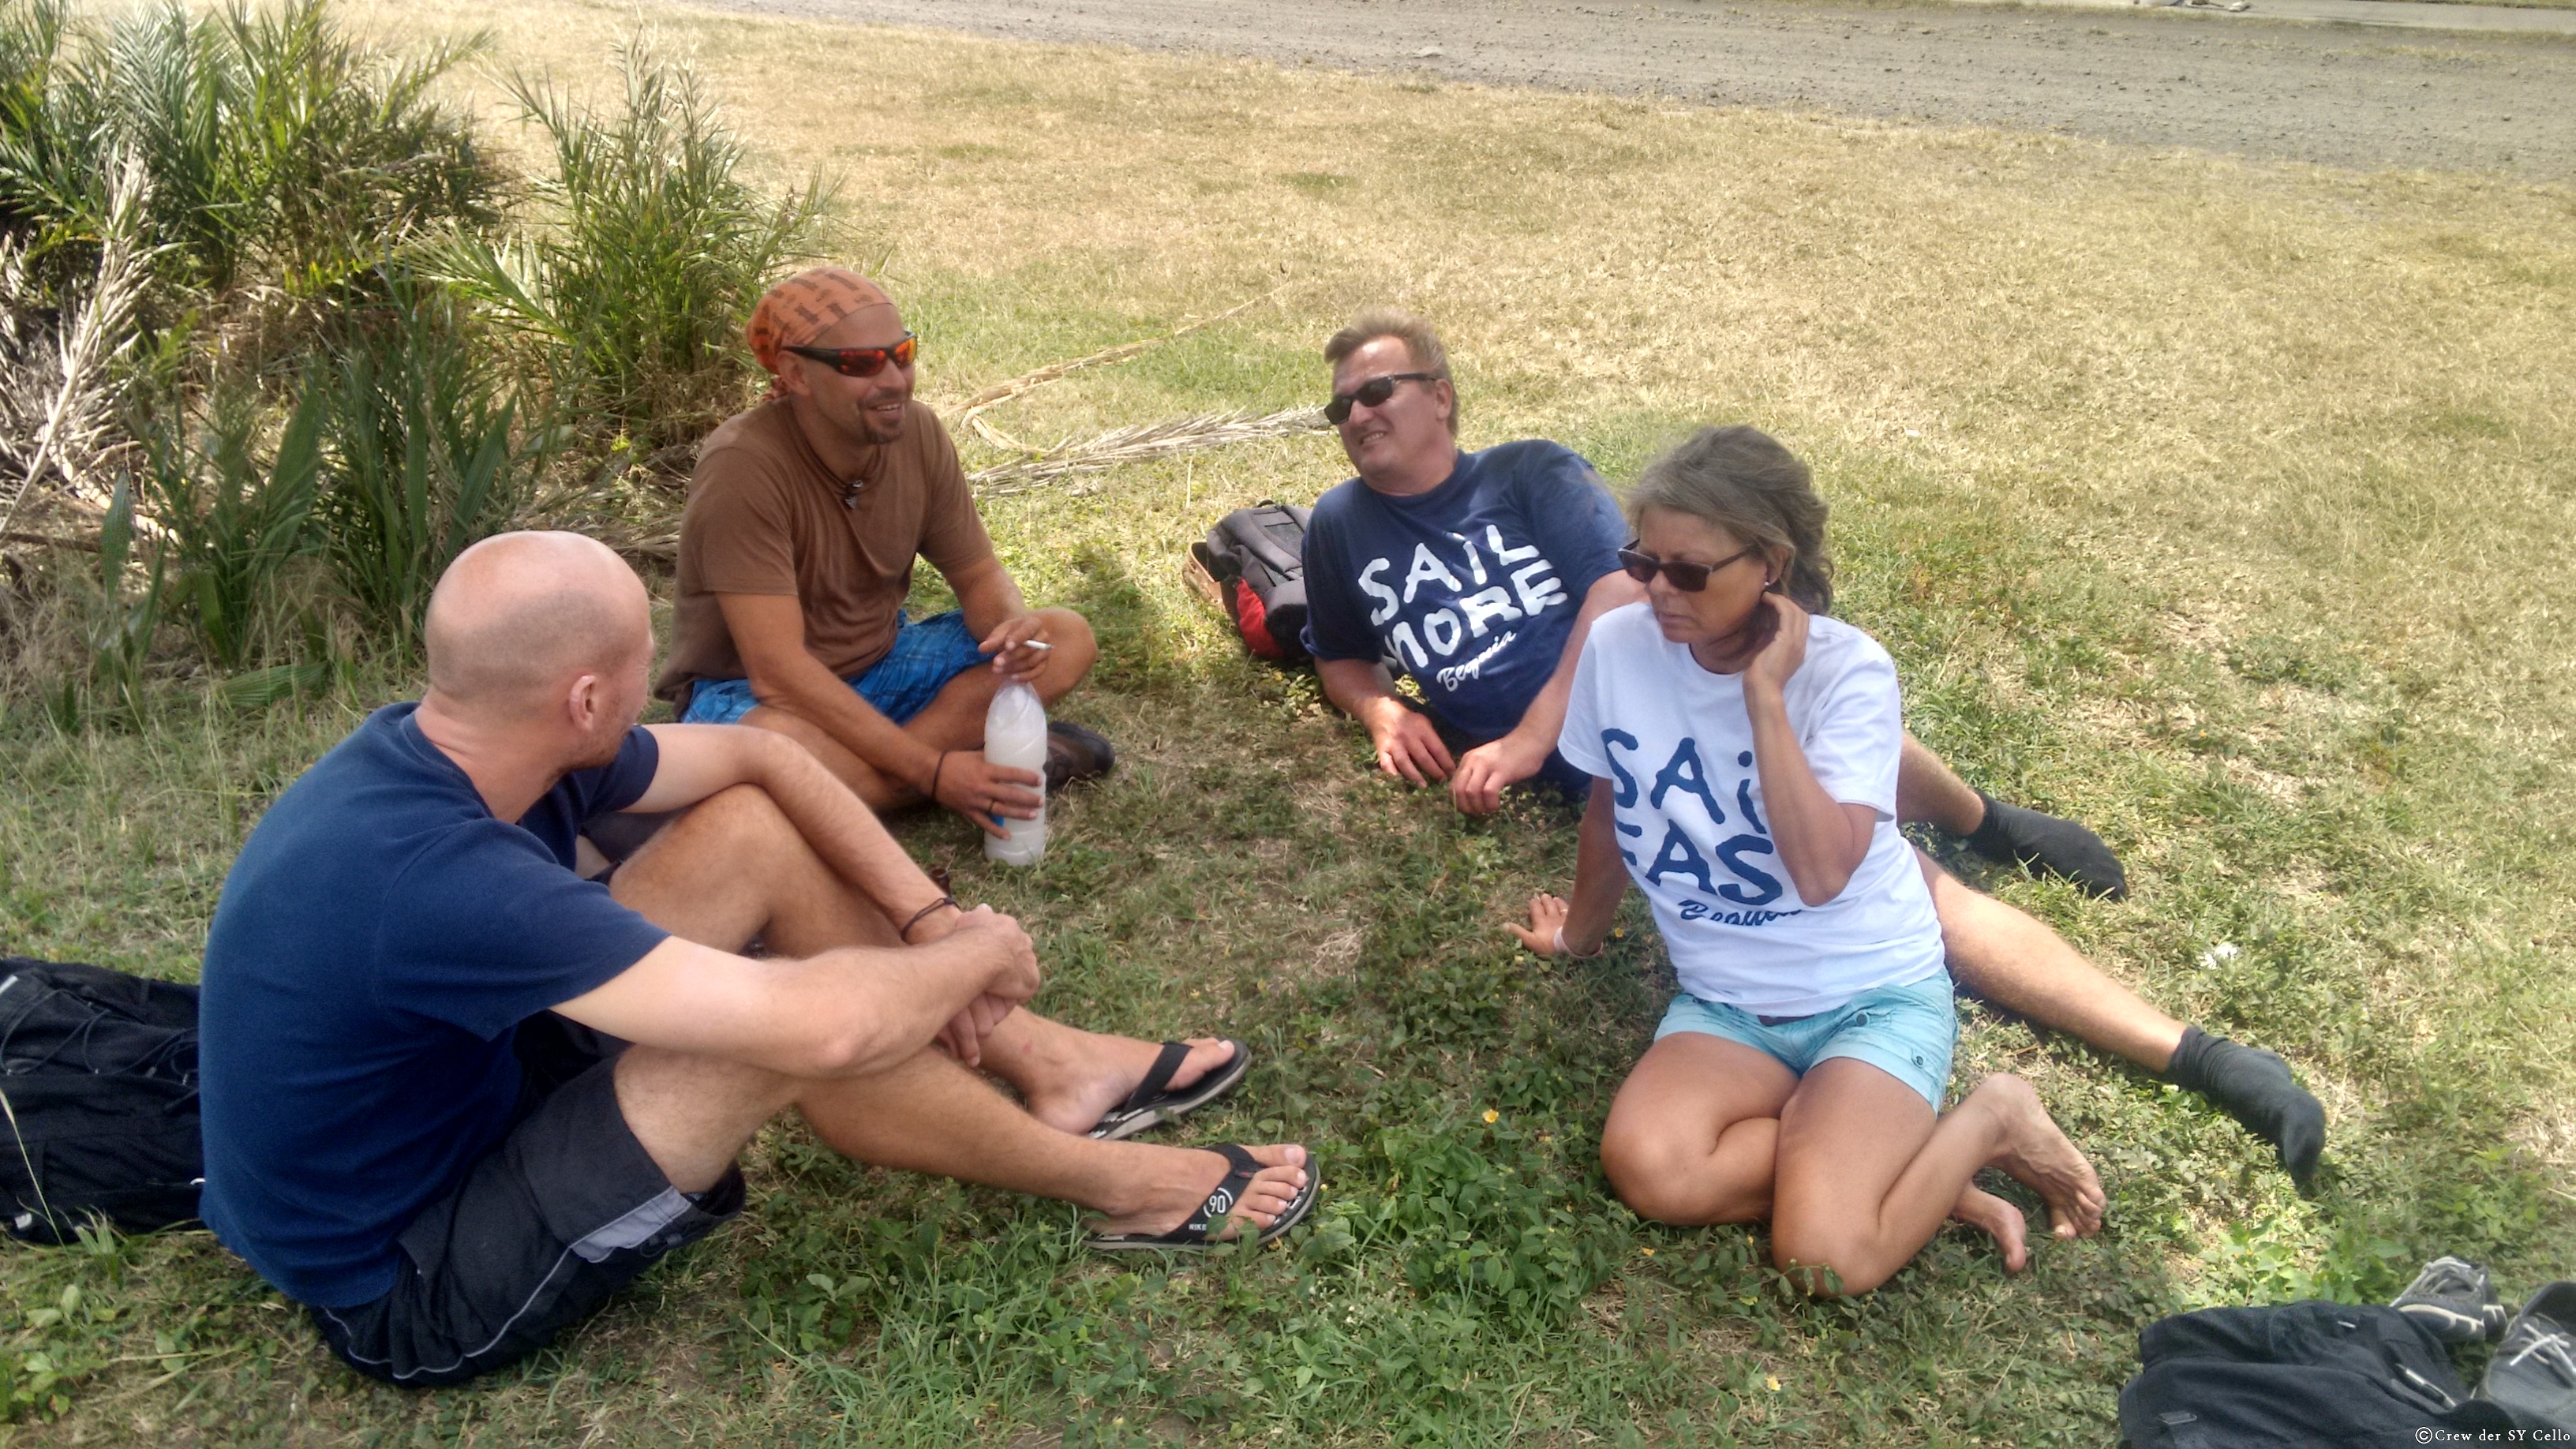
2252,561
1463,1276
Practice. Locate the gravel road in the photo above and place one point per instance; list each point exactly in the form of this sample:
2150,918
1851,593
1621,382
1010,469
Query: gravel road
2268,88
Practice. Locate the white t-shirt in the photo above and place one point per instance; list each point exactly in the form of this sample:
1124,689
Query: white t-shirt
1675,747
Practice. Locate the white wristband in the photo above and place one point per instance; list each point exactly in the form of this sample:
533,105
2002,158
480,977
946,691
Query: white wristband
1563,949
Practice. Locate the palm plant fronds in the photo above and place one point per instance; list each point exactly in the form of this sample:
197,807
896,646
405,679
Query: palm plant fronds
122,625
287,160
59,392
1195,433
234,523
47,540
648,250
260,688
423,453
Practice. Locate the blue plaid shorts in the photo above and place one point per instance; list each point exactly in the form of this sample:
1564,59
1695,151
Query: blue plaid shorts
926,655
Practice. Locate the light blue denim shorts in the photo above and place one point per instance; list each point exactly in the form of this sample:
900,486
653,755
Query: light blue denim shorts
1905,1031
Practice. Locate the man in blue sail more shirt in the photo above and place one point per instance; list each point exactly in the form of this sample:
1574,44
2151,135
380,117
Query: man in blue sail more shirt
1479,575
455,1094
1476,573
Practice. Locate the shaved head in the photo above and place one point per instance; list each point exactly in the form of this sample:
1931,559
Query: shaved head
519,616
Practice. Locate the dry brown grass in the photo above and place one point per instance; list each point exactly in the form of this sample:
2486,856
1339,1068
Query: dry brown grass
2264,380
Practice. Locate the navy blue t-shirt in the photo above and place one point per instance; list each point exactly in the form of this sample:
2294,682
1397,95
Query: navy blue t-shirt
1470,588
379,939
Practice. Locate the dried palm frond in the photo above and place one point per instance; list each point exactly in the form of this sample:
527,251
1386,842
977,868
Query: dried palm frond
973,409
58,391
1194,433
49,540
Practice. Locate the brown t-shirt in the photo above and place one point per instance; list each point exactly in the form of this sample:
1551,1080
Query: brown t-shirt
766,516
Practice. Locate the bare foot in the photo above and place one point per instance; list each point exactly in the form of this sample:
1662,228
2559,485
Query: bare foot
1998,1220
2039,1155
1078,1096
1193,1174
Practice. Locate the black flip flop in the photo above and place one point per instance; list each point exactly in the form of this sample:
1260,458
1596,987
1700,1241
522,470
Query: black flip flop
1212,1213
1155,1101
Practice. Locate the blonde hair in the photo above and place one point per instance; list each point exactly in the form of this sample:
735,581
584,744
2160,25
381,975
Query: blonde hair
1421,346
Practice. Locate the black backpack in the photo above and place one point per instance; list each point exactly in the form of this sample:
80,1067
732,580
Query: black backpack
99,1073
1252,567
2306,1375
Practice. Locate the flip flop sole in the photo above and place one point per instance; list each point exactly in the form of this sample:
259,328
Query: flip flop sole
1289,1217
1117,1126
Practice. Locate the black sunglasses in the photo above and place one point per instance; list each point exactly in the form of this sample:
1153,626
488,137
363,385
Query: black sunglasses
1373,393
1690,578
863,361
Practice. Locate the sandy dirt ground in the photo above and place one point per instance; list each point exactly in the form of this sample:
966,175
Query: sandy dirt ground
2267,88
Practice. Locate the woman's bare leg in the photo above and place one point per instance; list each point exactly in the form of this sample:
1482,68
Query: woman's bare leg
1866,1174
1690,1135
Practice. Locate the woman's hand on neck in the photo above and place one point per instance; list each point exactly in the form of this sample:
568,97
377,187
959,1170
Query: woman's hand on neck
1782,645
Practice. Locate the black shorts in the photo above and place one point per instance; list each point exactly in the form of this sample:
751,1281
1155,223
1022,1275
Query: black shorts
541,1231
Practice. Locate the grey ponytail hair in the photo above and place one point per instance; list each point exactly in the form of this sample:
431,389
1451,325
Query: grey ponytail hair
1741,479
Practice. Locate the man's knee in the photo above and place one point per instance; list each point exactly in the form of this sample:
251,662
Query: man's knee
737,833
1069,630
743,807
1075,648
693,1115
737,820
734,848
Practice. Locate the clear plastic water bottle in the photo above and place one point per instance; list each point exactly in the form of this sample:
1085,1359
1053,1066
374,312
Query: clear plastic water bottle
1015,736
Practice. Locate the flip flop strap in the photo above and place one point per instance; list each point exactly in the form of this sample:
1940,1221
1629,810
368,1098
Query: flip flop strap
1157,1077
1221,1203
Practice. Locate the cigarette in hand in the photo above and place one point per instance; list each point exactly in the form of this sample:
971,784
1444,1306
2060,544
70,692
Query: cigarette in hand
1035,644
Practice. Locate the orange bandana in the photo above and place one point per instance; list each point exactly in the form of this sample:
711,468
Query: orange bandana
804,307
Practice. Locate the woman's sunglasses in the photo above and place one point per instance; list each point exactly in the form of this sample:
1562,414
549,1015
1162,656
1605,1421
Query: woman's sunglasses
1372,393
863,361
1690,578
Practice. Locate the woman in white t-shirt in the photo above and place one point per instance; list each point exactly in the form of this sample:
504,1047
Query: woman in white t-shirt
1744,748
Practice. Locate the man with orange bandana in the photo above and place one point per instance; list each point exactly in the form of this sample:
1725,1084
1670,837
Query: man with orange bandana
805,517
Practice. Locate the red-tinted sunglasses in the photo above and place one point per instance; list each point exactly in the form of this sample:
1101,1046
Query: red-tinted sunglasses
863,361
